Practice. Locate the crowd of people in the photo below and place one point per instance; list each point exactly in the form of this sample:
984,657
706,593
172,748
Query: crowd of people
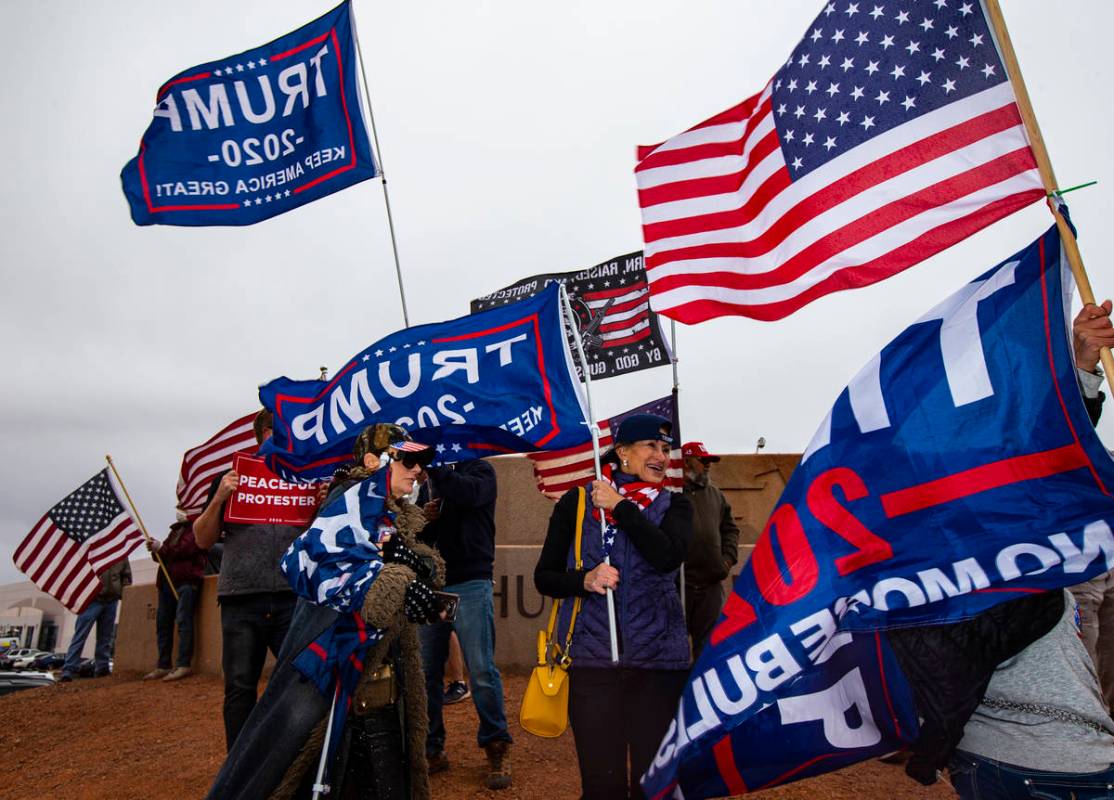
1015,702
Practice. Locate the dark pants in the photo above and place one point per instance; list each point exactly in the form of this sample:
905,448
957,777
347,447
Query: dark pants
616,714
702,607
175,611
978,778
373,763
251,624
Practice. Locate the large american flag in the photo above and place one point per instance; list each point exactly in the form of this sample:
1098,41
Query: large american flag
77,540
210,459
890,134
560,470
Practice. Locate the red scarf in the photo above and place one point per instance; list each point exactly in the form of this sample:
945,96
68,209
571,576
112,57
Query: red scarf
641,493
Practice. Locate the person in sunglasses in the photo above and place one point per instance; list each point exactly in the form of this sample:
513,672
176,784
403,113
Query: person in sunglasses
364,584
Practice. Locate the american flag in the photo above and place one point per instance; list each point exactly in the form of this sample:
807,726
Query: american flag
625,310
558,471
77,540
206,461
890,134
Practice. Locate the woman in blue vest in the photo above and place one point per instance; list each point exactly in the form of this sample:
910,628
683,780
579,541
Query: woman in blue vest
622,710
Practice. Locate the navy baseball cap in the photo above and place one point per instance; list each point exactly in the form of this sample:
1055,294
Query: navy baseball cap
644,427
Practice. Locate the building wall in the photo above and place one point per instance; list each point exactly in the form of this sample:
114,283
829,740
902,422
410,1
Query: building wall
752,484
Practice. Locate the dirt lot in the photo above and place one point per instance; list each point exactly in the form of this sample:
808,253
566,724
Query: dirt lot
120,738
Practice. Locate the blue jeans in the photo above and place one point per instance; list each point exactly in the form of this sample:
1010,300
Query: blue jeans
978,778
171,611
251,624
104,615
475,627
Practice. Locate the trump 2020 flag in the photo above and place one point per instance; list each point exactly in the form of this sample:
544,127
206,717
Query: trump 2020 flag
889,134
244,138
957,470
501,381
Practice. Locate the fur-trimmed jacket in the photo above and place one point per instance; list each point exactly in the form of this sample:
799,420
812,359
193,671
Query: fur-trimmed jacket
277,751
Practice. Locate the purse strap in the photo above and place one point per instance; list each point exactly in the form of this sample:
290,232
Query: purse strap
552,646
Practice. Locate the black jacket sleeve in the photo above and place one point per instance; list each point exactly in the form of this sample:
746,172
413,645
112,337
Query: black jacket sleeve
1094,407
471,484
664,547
552,577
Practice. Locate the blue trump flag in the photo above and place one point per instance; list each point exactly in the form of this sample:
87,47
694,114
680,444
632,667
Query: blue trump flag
501,381
958,469
247,137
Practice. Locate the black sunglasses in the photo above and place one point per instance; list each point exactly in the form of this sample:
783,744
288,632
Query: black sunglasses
410,460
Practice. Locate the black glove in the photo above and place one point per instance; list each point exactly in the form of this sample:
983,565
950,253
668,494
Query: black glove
395,552
421,605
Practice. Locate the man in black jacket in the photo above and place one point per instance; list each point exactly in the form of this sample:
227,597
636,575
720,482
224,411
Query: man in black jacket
459,501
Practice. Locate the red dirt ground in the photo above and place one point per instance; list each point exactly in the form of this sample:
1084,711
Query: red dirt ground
121,738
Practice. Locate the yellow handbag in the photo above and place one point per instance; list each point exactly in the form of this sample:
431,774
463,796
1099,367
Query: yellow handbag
545,706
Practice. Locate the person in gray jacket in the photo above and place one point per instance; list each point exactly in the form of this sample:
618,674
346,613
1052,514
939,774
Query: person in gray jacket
714,549
256,602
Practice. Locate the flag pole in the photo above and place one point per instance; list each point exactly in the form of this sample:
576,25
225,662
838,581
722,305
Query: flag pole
142,527
677,413
1044,165
594,428
382,171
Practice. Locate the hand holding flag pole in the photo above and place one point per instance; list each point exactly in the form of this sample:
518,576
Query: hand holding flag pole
594,427
142,527
1044,165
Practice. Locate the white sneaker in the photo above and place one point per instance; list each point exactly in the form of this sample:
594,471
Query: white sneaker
178,673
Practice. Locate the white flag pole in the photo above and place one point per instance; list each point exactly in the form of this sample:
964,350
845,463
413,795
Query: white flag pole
378,156
677,412
594,428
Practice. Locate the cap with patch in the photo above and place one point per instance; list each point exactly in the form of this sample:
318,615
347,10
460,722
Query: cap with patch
644,427
698,450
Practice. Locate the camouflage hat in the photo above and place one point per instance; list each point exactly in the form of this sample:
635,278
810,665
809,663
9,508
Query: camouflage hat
377,438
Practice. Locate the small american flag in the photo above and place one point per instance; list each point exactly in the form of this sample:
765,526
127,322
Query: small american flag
626,313
206,461
558,471
76,541
890,134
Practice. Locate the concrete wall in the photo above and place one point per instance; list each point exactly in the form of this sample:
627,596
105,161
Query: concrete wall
752,484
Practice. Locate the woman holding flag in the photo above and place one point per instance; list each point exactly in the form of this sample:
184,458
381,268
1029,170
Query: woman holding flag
620,710
348,682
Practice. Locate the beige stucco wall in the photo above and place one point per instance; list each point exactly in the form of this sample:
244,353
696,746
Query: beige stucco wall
752,484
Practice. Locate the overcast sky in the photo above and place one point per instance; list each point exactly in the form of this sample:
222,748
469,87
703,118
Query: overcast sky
508,131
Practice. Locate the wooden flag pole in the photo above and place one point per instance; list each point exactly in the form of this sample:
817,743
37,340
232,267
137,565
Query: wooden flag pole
1044,165
142,527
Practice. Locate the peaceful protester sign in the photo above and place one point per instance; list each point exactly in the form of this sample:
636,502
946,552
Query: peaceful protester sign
244,138
957,470
611,300
501,381
263,498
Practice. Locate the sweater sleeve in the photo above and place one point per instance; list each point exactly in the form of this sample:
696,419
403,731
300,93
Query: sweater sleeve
552,577
664,547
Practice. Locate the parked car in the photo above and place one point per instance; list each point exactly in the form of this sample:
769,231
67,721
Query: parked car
9,658
25,661
15,681
48,661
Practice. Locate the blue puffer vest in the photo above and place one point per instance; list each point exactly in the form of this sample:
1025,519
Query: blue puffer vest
649,617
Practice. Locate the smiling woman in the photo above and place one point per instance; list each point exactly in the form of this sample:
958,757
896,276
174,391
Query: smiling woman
646,533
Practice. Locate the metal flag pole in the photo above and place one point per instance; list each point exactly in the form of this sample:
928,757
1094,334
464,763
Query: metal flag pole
1044,166
594,428
142,527
677,413
320,788
382,171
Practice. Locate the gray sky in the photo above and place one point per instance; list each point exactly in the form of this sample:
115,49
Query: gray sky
508,131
